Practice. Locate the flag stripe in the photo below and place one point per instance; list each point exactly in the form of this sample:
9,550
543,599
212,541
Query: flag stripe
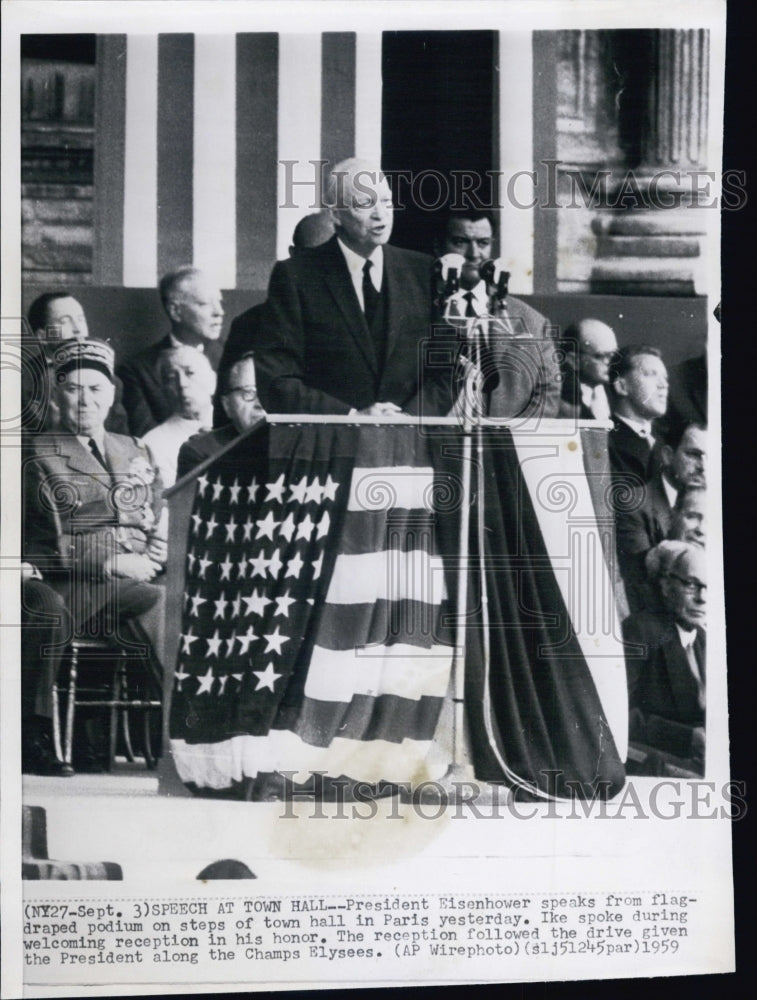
110,133
382,621
365,719
375,532
214,216
256,157
175,150
383,489
338,95
390,576
399,669
141,163
572,539
368,93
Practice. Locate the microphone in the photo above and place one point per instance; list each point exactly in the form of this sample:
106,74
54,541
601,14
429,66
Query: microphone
450,262
493,273
445,279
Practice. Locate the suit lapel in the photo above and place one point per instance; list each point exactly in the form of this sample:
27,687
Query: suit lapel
394,299
338,281
77,456
683,684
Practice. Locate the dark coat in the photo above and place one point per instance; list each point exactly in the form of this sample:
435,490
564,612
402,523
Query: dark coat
632,458
640,525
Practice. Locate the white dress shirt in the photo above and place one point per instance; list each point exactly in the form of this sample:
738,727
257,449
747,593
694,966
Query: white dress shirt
457,303
595,399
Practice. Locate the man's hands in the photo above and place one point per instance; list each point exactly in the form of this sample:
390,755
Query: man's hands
133,566
380,409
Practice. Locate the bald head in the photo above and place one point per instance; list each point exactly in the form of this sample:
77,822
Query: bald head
596,345
360,205
311,231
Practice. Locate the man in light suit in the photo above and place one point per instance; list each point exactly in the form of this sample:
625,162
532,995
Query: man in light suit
344,322
666,671
523,377
94,529
194,308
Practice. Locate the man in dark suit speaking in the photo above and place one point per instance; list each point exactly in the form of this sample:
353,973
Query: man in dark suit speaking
344,321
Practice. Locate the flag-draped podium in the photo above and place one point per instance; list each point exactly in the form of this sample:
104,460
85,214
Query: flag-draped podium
318,630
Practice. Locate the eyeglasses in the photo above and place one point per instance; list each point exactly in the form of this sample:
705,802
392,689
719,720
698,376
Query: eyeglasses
605,356
247,394
690,586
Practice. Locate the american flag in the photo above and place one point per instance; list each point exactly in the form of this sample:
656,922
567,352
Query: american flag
311,636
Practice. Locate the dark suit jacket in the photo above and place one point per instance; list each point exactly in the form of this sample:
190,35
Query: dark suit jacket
631,457
76,515
640,525
202,446
315,353
144,395
664,695
687,394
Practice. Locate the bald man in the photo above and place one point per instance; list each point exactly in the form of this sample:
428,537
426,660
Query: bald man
586,374
344,322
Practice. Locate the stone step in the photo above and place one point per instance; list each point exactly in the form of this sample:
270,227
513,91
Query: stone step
663,222
647,246
646,269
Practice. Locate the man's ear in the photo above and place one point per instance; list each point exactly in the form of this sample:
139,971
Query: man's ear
619,386
666,454
174,312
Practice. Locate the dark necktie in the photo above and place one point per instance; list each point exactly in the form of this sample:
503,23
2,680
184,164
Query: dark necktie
97,453
469,310
370,295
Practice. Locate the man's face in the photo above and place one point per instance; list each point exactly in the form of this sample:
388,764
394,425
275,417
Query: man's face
196,310
687,464
65,320
85,396
689,524
189,378
596,347
365,214
646,386
240,401
474,241
685,589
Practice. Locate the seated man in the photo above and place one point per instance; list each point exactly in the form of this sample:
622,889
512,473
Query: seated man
190,382
666,672
53,317
194,309
648,520
638,396
586,374
237,392
689,516
93,513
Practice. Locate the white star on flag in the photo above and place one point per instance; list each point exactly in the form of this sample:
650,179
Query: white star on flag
187,639
276,490
330,488
314,491
234,491
294,566
242,569
245,640
220,604
238,677
231,527
275,641
247,529
305,527
256,603
197,601
252,490
197,521
236,606
317,566
266,526
282,605
214,644
206,682
222,684
230,643
191,560
287,527
204,563
226,568
217,490
258,565
298,492
323,526
202,485
211,526
275,564
266,678
180,678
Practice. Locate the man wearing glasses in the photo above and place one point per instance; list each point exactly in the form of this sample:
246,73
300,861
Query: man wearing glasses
666,671
238,395
586,373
